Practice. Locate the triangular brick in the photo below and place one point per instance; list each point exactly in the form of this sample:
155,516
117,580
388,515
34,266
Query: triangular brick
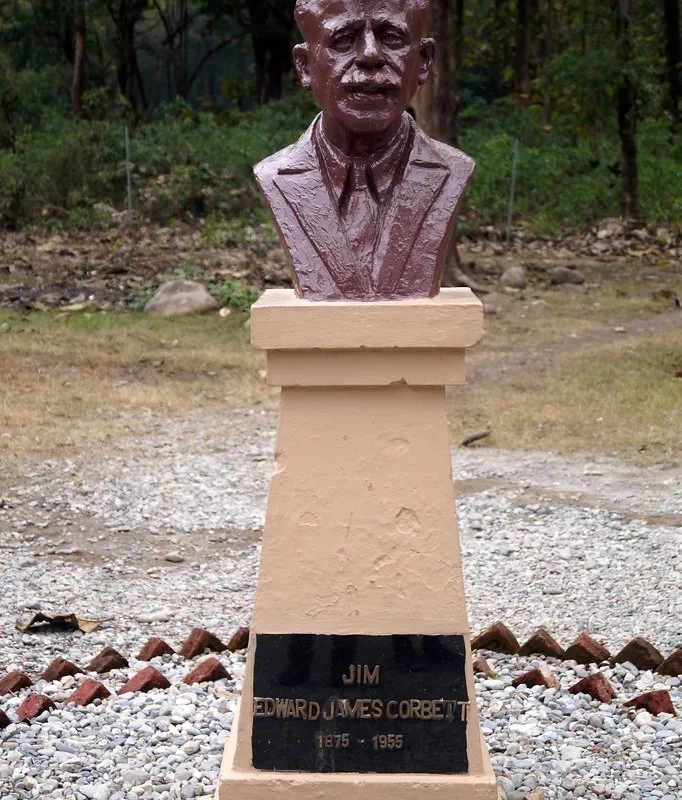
239,640
33,706
671,666
145,680
597,686
497,638
59,669
200,640
107,660
154,648
655,703
586,650
640,653
14,682
542,643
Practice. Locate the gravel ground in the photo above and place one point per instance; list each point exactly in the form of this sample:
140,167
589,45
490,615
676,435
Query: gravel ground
148,538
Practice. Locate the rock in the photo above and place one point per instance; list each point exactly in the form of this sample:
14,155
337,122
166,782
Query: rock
59,669
561,275
200,640
640,653
179,298
14,682
158,615
107,660
5,721
542,676
481,666
145,680
655,703
154,648
586,650
239,640
89,691
596,686
498,638
97,792
33,706
514,278
208,671
541,643
610,227
671,666
174,558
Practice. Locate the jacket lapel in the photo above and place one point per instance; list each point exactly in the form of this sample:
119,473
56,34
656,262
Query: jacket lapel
302,185
424,178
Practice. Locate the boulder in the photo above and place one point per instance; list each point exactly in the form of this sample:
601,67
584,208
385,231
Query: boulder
514,278
562,275
179,298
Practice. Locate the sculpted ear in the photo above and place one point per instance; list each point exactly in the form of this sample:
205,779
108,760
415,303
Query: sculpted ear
301,62
427,53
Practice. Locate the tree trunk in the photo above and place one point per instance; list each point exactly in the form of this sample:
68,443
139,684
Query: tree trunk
526,13
78,76
549,53
627,106
437,103
673,57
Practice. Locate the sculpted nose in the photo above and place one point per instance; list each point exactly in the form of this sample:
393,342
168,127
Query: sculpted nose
369,55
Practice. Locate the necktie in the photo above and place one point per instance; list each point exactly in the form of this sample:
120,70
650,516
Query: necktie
359,215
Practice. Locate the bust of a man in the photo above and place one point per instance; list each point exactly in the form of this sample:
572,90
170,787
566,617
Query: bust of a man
365,202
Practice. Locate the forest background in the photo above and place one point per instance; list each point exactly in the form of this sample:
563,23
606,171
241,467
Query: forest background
584,94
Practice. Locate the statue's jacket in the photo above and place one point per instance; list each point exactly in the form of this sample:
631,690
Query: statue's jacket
411,246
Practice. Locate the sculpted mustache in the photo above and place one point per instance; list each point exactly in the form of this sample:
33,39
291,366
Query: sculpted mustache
355,82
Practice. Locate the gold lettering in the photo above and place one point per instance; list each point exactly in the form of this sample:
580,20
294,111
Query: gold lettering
449,710
301,709
377,709
328,713
313,710
390,713
437,710
415,708
371,676
361,673
350,678
464,705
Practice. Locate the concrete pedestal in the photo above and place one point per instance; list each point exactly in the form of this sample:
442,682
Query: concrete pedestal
361,531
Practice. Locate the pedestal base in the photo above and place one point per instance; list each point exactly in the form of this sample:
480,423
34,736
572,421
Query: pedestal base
255,785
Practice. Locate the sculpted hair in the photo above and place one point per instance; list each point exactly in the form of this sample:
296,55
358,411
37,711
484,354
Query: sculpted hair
307,11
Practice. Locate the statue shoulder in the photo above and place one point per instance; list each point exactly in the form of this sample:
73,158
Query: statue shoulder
295,157
459,163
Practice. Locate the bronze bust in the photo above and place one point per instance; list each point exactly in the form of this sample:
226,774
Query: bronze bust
365,202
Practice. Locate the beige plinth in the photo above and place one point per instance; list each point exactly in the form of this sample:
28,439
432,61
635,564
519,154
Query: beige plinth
361,532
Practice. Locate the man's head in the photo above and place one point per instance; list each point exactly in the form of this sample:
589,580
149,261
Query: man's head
363,59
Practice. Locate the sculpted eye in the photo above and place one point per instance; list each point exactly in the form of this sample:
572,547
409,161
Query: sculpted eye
393,39
343,42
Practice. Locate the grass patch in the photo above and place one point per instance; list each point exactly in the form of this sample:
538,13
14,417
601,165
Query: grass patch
617,399
68,378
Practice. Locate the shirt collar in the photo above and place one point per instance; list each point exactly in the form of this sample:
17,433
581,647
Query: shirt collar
385,166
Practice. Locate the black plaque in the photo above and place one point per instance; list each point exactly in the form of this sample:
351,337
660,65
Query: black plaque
384,704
